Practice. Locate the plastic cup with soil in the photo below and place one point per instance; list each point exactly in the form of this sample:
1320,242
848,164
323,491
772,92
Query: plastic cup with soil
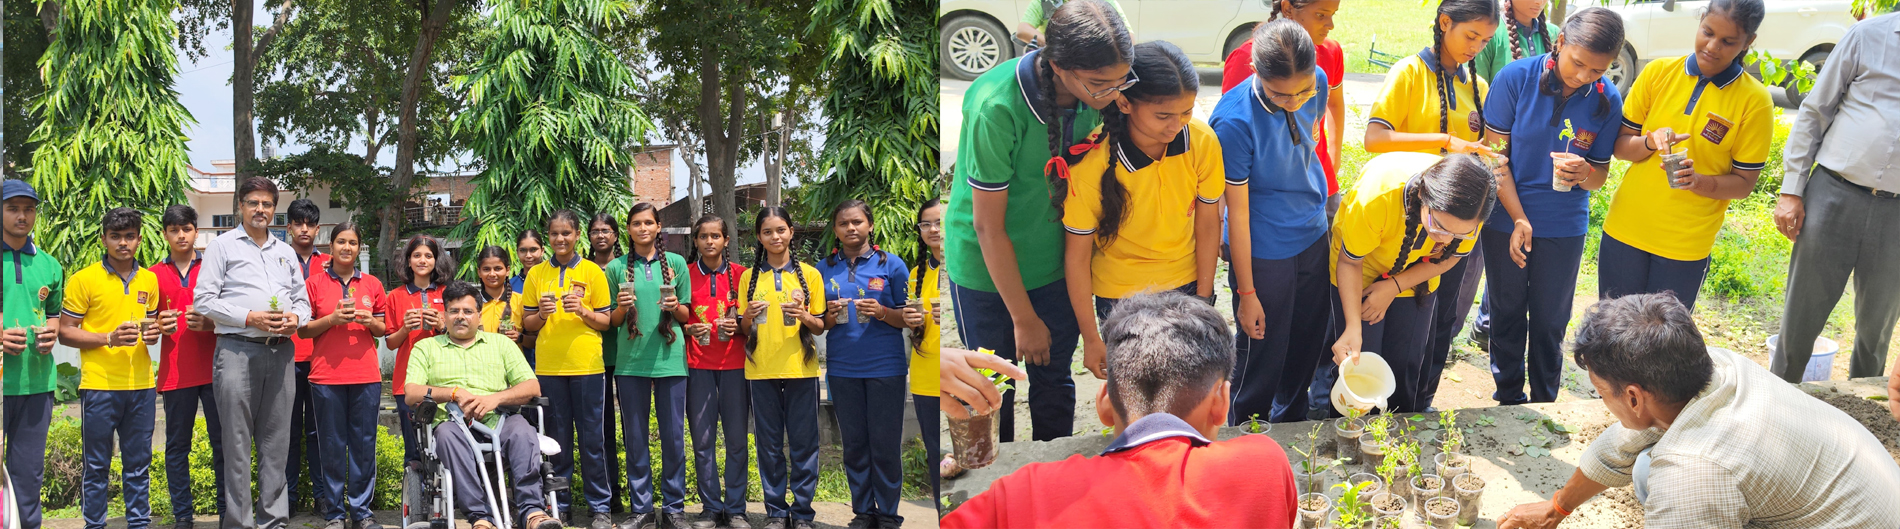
1671,163
790,320
1372,450
844,312
1556,183
723,315
1427,486
1451,464
1313,509
668,290
1363,477
1468,490
1304,482
550,297
973,440
1385,503
1441,513
145,326
1347,433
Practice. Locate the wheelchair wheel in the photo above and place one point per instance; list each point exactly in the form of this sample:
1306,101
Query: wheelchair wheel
416,504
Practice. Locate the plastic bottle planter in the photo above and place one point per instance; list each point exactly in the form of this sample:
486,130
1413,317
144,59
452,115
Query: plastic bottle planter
1362,477
974,439
1425,487
1348,431
1441,513
1373,451
1468,489
1386,503
1451,464
1313,509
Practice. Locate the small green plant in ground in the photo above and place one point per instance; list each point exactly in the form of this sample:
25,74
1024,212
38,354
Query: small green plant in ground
1487,420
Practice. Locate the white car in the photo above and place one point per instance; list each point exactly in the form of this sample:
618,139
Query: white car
1792,29
976,34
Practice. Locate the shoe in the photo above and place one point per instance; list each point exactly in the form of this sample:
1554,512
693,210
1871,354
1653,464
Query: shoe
482,524
776,523
181,524
709,520
604,521
804,524
368,523
334,524
737,521
541,520
862,521
1481,339
673,520
639,520
890,522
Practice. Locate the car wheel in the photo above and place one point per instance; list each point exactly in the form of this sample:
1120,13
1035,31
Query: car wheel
1240,36
1795,95
1623,71
973,45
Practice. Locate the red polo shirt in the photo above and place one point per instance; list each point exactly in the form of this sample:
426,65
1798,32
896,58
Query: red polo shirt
1331,58
710,289
399,302
1159,473
345,354
185,360
318,262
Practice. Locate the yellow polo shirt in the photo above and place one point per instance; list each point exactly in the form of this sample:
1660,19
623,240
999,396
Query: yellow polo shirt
1154,247
566,346
923,362
1371,222
1730,124
1410,101
777,351
492,309
102,299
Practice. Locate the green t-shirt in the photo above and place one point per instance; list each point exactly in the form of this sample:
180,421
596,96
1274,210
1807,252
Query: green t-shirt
1498,53
31,279
1036,17
490,364
1003,147
607,353
650,355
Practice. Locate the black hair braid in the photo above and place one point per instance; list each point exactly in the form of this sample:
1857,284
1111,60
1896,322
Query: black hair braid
1114,194
633,311
804,334
752,287
1444,107
1543,30
1517,49
1058,135
1414,211
667,274
1477,97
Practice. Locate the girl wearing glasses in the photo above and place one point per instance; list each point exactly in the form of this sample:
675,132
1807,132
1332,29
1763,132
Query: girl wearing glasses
1012,176
1561,121
927,340
1410,218
603,245
1524,33
1317,17
1276,222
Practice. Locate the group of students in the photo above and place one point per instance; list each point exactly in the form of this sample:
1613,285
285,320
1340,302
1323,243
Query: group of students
1504,125
700,334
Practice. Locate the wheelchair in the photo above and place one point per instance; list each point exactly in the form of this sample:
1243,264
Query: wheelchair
428,491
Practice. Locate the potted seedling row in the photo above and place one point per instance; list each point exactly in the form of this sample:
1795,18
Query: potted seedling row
1347,432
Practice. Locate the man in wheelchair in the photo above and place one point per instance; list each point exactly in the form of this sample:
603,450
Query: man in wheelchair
480,373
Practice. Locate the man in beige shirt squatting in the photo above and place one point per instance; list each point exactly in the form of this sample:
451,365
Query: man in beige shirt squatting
1709,439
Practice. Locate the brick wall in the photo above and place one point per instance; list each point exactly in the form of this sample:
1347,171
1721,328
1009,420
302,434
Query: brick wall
653,176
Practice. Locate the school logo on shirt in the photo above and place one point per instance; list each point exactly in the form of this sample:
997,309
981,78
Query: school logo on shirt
45,291
1584,139
1716,129
579,288
1475,121
877,284
143,297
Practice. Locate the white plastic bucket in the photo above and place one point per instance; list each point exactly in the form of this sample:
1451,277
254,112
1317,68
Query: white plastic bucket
1364,385
1821,365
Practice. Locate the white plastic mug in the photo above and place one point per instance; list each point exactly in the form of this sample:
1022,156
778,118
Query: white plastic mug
1363,385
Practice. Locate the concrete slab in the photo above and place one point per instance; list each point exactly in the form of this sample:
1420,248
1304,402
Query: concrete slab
917,514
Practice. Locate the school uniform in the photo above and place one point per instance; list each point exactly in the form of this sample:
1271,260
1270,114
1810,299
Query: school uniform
926,348
495,310
184,384
1530,40
31,281
527,338
784,379
304,445
346,385
609,419
1154,248
651,376
117,398
1657,239
1531,305
867,364
1372,228
1331,59
400,301
1006,148
572,373
1270,151
718,398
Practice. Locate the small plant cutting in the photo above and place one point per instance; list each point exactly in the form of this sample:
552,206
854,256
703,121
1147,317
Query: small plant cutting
273,304
974,438
1373,444
702,310
1313,468
1255,425
1353,510
1567,135
1346,433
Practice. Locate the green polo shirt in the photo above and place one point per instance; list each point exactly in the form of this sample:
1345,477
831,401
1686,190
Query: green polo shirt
1004,145
650,355
30,279
1498,53
491,364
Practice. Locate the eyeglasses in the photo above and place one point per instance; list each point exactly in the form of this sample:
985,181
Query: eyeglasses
1132,79
259,204
1288,100
930,225
601,232
1432,227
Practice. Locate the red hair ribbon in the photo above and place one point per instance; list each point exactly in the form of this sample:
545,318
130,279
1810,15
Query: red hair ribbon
1061,166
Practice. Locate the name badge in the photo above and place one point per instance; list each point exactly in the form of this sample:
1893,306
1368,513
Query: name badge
1716,128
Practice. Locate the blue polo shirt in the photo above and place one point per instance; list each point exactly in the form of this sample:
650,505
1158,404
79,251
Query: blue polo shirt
860,348
1518,108
1270,151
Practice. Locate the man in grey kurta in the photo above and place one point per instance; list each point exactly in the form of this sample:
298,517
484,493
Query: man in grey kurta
1840,201
250,284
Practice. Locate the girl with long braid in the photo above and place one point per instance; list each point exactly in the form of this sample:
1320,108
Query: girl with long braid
1012,174
1561,119
1410,218
1277,195
603,245
570,304
782,312
650,375
717,397
926,272
1524,33
499,303
866,290
1144,214
1432,103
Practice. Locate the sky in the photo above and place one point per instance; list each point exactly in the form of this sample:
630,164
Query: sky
205,90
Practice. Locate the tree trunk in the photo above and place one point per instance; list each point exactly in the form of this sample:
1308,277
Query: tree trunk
434,18
1557,11
243,93
722,135
776,176
372,144
694,178
49,17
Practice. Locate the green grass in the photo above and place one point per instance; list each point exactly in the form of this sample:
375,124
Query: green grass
1400,27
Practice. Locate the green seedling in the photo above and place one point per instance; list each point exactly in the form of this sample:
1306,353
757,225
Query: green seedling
1000,380
1352,510
1377,428
1535,445
1554,426
1569,133
1487,420
273,303
1880,398
1254,424
1312,463
835,288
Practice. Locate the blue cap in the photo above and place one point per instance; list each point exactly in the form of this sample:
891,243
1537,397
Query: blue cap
17,188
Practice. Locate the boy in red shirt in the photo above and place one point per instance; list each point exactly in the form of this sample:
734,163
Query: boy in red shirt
304,220
184,364
1169,356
